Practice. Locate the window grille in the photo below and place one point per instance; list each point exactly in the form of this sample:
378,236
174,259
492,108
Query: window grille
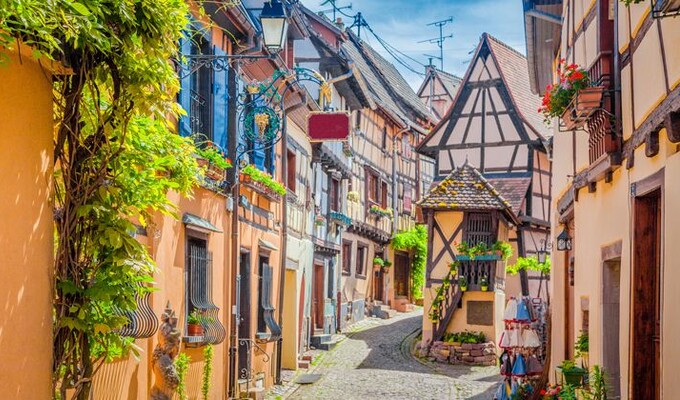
143,322
478,229
266,311
200,287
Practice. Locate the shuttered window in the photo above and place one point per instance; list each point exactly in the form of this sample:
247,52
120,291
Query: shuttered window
362,251
408,198
479,229
347,258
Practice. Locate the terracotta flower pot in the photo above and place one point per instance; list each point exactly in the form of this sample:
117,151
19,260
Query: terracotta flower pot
587,101
195,330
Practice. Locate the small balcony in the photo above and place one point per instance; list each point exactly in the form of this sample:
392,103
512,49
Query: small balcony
479,273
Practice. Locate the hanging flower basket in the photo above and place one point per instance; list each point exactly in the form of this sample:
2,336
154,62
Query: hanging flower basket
571,99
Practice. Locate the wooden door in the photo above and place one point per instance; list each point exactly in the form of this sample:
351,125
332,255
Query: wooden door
646,326
402,275
378,285
244,329
318,298
611,302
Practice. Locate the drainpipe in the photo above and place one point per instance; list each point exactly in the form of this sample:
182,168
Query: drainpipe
284,226
232,143
617,82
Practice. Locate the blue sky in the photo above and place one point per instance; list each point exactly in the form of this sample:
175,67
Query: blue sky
403,23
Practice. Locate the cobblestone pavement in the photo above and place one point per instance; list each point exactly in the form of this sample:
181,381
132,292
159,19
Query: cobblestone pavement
375,362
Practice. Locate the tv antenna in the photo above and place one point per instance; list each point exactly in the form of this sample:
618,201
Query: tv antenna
439,41
335,8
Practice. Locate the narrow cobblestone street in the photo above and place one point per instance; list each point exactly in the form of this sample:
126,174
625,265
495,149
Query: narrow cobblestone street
375,362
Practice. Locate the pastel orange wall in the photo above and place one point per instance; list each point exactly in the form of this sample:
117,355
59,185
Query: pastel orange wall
26,236
132,379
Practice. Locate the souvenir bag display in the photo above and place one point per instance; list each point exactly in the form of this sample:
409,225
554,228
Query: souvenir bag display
518,364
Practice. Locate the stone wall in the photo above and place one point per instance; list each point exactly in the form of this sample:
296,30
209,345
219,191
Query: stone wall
460,353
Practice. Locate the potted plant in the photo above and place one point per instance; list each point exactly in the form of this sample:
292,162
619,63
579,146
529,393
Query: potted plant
581,346
503,249
386,265
484,283
453,267
572,375
572,98
319,220
378,263
213,160
463,283
194,327
353,197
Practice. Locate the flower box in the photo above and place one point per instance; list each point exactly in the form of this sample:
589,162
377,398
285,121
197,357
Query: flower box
215,173
481,257
587,101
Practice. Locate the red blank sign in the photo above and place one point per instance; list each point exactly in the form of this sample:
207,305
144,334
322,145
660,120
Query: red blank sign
325,126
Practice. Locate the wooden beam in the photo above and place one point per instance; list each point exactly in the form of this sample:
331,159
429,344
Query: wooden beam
672,125
652,144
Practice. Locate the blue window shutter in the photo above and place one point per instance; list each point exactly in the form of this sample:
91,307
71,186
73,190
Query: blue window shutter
220,104
185,91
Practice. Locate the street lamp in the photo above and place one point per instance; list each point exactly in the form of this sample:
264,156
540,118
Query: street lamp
274,23
563,241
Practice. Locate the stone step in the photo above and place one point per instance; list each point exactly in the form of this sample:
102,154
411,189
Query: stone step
318,340
306,357
384,312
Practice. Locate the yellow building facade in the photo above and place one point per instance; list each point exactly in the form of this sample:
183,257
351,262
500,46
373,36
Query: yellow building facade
26,165
615,190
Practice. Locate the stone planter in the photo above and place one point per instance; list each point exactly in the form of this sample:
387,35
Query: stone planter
481,354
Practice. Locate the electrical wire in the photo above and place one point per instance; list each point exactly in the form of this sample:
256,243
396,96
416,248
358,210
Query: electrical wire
360,21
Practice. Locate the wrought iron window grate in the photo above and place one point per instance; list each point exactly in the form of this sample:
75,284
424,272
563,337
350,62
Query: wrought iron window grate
479,229
266,304
143,322
201,293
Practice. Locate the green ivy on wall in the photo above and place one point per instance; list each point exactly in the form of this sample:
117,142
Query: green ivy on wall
414,240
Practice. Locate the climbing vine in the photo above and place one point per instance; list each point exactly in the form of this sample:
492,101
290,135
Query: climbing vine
115,156
414,240
529,264
207,371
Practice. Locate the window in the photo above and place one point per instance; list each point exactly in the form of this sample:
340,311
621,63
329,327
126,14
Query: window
292,168
267,328
406,146
264,290
408,198
362,251
334,194
384,139
372,186
200,111
478,229
347,258
383,194
199,289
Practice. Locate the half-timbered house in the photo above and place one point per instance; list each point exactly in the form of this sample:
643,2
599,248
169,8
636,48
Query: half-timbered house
438,90
493,123
464,207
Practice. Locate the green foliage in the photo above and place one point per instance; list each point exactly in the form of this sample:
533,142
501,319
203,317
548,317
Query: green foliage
597,383
381,212
500,248
264,178
484,281
463,282
557,97
529,264
439,297
378,261
415,240
182,366
465,337
504,248
116,157
213,154
207,371
582,344
629,2
194,318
